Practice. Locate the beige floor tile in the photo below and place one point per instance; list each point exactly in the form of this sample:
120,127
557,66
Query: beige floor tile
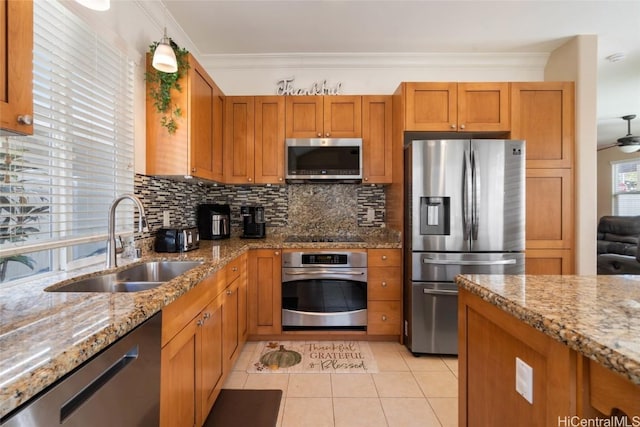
244,360
267,382
382,347
309,385
353,385
280,412
437,383
308,412
358,412
452,362
446,410
391,362
396,384
425,363
236,379
409,412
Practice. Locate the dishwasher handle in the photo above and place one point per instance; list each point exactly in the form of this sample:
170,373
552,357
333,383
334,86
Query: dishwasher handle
94,386
509,261
442,292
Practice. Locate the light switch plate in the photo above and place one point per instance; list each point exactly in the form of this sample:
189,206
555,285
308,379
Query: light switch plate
524,380
166,218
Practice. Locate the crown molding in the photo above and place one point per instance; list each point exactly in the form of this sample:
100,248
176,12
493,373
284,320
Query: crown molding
527,60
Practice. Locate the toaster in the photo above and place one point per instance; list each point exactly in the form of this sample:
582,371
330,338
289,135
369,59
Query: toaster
177,239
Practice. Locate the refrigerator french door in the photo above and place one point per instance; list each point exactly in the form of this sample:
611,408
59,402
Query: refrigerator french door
465,215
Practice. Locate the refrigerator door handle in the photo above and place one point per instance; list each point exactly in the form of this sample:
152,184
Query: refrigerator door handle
427,260
440,292
466,195
476,197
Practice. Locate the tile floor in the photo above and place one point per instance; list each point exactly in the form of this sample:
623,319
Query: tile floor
407,391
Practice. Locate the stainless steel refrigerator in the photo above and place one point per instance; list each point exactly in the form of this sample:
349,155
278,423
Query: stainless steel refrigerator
465,214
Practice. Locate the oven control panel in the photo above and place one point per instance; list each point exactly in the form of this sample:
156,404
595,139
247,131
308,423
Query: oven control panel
333,259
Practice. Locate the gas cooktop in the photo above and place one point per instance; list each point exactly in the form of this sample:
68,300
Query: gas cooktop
322,239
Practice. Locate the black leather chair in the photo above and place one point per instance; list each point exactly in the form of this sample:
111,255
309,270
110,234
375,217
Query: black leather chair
618,245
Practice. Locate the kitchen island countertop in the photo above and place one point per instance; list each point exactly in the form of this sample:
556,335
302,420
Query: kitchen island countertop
597,316
45,335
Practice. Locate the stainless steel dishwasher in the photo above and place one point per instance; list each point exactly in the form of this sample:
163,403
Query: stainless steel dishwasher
118,387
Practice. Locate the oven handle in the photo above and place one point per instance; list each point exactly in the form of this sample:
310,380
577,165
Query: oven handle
467,262
307,272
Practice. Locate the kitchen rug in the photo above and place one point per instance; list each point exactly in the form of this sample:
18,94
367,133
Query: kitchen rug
238,408
307,357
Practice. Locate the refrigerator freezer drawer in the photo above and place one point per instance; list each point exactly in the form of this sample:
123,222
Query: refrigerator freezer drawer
443,267
434,323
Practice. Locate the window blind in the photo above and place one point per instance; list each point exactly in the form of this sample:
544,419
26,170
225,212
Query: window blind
626,187
58,184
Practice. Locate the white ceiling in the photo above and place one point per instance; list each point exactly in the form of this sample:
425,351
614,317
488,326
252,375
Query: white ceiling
426,26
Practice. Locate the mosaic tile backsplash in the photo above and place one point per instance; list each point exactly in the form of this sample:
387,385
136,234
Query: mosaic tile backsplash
300,208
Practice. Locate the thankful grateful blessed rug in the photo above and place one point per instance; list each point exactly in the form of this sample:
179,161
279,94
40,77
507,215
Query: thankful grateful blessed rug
313,357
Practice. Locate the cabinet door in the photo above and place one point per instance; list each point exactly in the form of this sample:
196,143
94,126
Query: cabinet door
265,292
549,261
431,106
218,136
230,325
384,318
16,65
377,139
201,122
542,113
178,382
342,116
243,301
238,141
210,355
304,116
483,107
269,139
384,283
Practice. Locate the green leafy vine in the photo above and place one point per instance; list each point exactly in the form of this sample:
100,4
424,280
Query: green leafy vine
160,85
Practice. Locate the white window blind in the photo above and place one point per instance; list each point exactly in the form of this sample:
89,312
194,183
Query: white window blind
58,184
626,187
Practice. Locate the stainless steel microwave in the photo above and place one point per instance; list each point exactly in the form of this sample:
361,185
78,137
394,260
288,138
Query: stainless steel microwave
323,160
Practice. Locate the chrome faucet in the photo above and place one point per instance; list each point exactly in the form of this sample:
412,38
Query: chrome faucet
111,240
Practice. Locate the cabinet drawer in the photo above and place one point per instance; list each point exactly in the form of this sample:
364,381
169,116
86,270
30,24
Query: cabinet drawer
384,283
384,318
235,268
384,258
609,390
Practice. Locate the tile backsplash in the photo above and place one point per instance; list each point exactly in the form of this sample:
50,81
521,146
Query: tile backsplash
301,208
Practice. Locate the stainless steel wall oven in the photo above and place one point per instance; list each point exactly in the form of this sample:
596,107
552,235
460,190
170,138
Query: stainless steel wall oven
324,290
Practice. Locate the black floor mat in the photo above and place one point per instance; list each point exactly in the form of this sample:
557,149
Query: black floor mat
245,408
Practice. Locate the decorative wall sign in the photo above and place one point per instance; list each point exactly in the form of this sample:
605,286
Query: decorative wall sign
285,87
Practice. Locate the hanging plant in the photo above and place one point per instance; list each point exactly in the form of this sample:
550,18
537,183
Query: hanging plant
161,84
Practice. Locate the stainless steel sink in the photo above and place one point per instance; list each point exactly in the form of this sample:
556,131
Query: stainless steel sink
139,277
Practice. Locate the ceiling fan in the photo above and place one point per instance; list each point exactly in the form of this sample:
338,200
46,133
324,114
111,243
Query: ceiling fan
629,143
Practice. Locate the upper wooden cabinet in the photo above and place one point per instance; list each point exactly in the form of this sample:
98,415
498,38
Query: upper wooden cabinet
464,107
16,66
254,140
377,139
543,115
323,116
195,149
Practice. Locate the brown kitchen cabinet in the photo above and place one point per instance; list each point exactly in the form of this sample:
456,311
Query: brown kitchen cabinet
384,292
543,115
16,66
191,355
337,116
265,292
254,140
377,139
195,149
452,107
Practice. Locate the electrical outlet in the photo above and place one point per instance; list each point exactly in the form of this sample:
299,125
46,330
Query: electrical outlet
524,380
371,214
166,218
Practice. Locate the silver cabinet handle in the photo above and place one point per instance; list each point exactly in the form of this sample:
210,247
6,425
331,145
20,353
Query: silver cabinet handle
229,291
207,316
25,119
384,318
468,262
442,292
384,257
384,284
234,269
276,253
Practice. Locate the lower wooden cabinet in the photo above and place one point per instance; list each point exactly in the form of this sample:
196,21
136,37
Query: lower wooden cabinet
265,292
202,335
384,292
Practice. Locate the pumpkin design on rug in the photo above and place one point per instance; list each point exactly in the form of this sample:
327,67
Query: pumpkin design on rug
313,357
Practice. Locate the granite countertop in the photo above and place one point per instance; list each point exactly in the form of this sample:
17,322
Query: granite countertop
45,335
598,316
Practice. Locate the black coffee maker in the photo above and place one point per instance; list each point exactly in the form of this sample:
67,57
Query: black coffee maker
214,221
253,225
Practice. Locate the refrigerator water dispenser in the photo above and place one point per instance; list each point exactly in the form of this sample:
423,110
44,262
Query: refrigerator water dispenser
434,215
